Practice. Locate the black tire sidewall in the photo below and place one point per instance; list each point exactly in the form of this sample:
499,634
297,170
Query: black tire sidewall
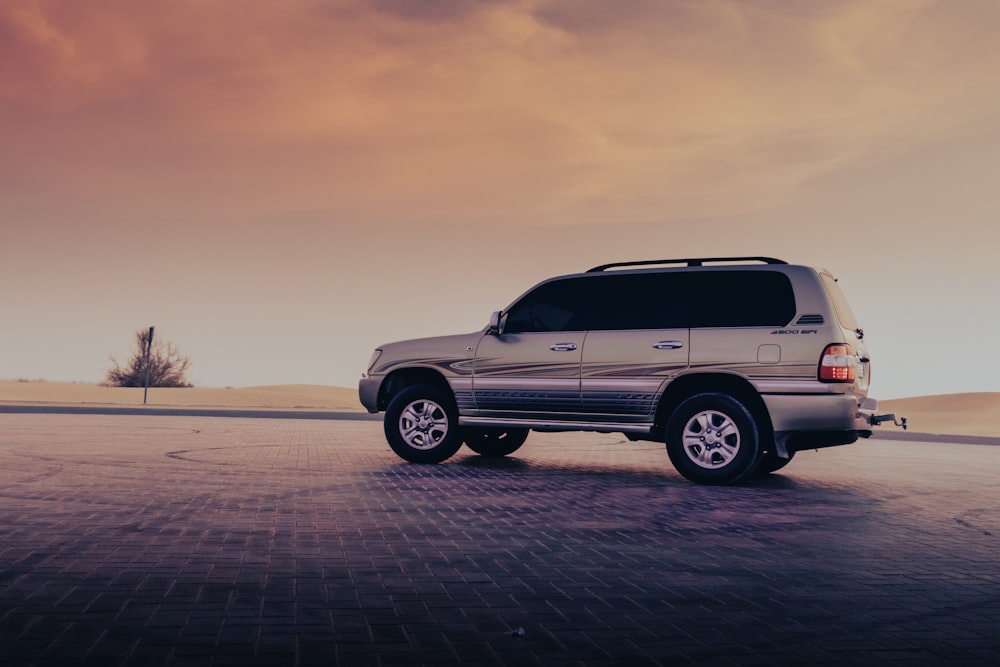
771,462
747,458
444,449
491,442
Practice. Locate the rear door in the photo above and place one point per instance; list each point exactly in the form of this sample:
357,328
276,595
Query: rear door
851,332
638,341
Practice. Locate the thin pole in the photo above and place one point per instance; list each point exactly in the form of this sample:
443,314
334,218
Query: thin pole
149,347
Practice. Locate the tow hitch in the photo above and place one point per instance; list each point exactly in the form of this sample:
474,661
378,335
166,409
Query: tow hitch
875,420
868,408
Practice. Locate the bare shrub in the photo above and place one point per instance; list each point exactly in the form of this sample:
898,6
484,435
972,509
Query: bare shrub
167,366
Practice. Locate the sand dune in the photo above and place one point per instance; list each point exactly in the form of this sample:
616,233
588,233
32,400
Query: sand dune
951,414
300,396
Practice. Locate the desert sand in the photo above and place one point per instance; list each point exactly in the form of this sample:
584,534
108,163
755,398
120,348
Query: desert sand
284,397
975,414
949,414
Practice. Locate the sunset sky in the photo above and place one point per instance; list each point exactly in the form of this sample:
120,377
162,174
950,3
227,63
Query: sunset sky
280,186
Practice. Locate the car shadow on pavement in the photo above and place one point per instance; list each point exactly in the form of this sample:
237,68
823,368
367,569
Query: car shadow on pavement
773,481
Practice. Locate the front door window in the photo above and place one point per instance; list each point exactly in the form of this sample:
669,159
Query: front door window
533,366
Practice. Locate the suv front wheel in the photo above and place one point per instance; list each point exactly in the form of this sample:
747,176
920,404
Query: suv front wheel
713,438
495,441
421,425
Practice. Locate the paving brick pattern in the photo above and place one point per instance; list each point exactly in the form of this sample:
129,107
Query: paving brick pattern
149,540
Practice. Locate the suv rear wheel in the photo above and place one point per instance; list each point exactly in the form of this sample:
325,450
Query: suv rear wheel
495,441
713,438
421,425
771,462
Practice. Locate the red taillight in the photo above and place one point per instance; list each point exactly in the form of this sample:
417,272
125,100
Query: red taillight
837,364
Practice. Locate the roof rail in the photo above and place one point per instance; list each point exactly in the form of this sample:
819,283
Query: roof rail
697,261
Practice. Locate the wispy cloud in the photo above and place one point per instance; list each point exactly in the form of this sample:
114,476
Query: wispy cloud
560,110
279,169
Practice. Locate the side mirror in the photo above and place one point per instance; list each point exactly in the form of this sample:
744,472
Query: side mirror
494,327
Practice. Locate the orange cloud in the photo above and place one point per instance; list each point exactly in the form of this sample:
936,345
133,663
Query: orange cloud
236,166
557,111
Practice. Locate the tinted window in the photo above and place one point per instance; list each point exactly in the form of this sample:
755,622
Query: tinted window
741,299
640,301
559,305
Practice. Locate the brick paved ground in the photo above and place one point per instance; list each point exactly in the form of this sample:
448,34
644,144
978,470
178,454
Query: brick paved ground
152,540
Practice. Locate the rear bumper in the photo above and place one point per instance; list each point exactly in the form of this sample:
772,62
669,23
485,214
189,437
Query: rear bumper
812,421
818,412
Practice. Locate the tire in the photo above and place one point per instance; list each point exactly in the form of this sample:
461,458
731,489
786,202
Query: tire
495,441
771,462
713,438
421,425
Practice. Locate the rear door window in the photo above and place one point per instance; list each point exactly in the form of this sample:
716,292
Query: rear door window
639,301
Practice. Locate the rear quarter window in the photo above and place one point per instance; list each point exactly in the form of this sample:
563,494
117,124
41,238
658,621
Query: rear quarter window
740,299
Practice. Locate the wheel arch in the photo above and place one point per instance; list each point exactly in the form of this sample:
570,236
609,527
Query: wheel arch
736,386
400,379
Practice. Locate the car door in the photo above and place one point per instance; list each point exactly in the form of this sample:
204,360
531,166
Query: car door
638,340
531,367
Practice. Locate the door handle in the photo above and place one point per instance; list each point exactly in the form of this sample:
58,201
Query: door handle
669,345
563,347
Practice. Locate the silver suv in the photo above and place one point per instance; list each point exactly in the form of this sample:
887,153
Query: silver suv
734,363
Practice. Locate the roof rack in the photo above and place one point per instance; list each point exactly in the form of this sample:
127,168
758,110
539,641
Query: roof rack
697,261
